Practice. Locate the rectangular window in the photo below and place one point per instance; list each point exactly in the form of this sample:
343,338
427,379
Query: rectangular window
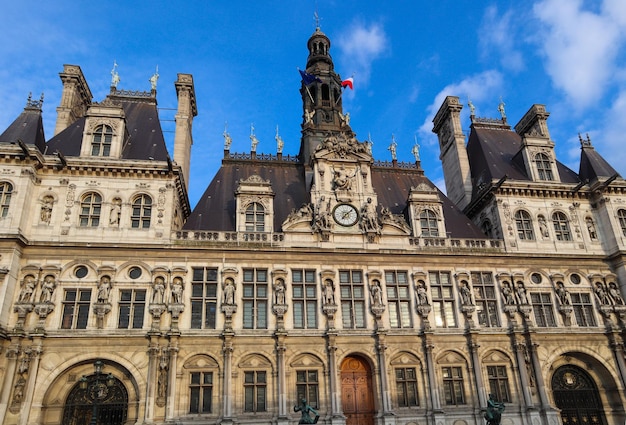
307,387
398,299
76,304
443,299
203,298
542,308
200,392
304,288
499,383
454,394
352,298
132,306
255,389
486,302
406,387
583,309
254,299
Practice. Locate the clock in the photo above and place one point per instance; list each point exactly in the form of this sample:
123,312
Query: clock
345,215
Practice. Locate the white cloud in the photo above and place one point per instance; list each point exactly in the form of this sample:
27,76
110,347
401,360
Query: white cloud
478,87
580,46
359,46
496,36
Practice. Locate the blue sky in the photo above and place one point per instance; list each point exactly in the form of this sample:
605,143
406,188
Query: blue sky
406,56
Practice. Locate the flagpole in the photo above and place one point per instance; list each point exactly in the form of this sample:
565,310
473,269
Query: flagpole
310,96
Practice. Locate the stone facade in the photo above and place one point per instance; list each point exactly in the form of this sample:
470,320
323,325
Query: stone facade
329,276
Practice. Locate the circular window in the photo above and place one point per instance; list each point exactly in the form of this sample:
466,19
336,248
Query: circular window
574,278
536,278
134,272
81,271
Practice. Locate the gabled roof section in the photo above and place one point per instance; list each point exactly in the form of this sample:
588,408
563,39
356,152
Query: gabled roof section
592,165
496,152
28,126
216,209
145,137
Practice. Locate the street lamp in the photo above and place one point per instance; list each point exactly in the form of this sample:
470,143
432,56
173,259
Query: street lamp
97,388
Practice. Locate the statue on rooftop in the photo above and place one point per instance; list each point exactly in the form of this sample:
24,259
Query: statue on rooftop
154,78
115,77
393,148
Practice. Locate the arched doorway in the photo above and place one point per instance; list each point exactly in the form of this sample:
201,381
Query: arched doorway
356,392
576,394
104,394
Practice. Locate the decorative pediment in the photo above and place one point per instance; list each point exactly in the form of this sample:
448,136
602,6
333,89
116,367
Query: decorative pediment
496,356
201,362
306,360
342,145
450,357
255,361
403,358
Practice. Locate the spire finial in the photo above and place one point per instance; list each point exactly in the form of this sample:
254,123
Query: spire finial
317,18
115,77
153,80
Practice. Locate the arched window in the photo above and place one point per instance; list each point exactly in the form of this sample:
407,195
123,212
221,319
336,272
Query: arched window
255,218
142,212
524,225
90,209
561,227
6,190
101,143
428,223
544,168
576,396
621,216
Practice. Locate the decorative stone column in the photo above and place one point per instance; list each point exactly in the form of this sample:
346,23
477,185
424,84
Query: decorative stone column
227,396
153,351
283,418
34,355
170,402
12,354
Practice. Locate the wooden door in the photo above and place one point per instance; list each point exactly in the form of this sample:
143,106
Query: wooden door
356,392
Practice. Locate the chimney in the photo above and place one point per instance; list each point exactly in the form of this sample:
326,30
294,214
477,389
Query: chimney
184,118
75,99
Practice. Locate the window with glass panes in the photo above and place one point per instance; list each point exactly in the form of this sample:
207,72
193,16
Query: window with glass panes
524,225
398,299
101,142
200,392
255,218
6,190
442,299
542,309
255,391
142,212
304,298
621,216
76,304
406,387
307,387
583,309
428,224
544,168
485,297
352,298
453,391
561,226
90,210
254,299
499,383
132,305
203,297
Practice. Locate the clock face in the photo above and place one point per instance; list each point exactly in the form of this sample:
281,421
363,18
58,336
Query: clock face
346,215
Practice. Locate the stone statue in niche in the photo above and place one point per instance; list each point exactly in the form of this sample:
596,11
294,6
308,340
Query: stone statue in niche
229,292
377,293
177,290
521,293
46,209
466,293
158,290
47,289
422,296
507,293
28,289
115,212
279,292
104,289
329,292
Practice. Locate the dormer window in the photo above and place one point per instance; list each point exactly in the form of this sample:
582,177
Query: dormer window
544,168
524,225
255,218
101,142
428,224
90,209
142,212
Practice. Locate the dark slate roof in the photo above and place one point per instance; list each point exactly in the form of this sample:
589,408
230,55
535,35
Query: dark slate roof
28,127
593,166
496,152
143,140
216,208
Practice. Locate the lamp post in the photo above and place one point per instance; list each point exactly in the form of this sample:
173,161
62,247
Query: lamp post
97,388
